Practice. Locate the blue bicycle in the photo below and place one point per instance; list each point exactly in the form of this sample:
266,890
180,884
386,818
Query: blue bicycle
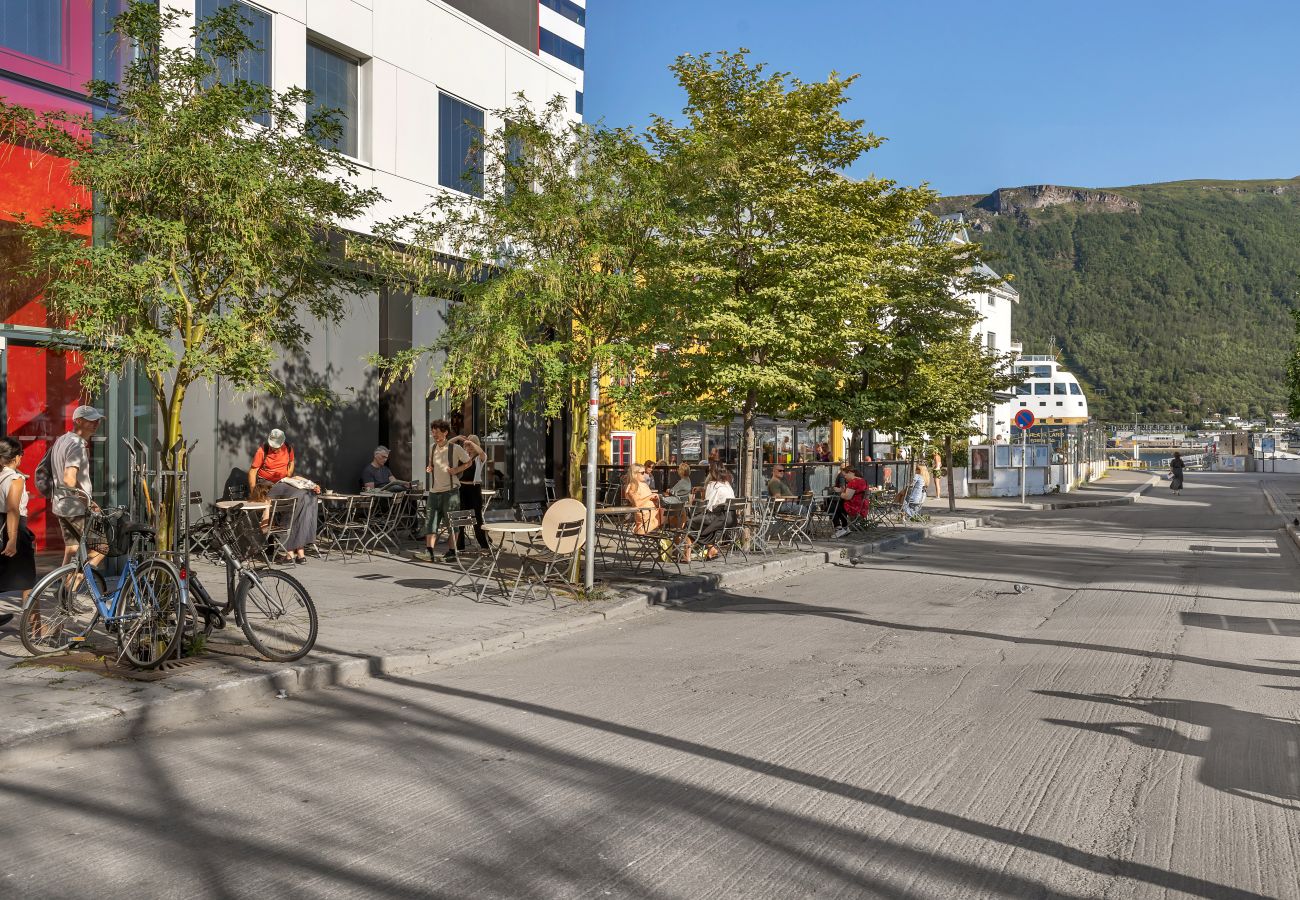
144,612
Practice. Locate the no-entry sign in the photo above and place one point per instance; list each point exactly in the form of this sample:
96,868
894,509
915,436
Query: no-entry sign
1024,419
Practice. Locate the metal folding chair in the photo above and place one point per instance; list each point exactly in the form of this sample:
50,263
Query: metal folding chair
279,523
796,527
470,563
562,540
349,529
386,518
732,535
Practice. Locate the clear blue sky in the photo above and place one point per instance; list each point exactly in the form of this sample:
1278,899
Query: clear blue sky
975,96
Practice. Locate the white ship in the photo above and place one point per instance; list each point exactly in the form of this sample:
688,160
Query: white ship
1049,391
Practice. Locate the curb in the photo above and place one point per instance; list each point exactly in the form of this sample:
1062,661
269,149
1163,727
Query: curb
1124,499
108,725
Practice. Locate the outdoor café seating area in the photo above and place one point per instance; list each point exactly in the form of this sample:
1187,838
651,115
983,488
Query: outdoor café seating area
535,549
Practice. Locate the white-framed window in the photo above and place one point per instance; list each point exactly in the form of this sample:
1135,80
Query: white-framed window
252,65
459,127
622,448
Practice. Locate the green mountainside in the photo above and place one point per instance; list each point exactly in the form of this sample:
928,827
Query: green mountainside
1169,300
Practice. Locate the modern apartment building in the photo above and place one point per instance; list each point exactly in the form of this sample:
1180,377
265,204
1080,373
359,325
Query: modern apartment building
562,39
412,77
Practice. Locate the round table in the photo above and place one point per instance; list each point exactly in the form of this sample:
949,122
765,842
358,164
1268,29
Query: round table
240,504
510,530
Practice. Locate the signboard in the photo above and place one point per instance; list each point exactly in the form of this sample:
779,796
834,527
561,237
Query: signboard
1268,445
1024,419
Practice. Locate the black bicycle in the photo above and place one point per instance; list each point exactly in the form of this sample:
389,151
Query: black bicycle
272,607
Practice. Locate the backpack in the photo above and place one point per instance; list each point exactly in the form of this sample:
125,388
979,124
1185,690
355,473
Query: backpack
43,477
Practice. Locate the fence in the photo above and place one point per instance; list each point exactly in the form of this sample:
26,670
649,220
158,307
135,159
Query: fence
799,477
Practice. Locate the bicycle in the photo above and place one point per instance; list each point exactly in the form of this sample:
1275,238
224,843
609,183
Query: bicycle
143,611
272,608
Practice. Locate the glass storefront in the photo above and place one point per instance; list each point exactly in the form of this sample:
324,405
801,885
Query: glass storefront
778,441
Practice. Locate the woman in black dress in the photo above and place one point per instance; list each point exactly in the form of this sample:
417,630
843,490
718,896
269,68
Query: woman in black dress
1176,466
17,543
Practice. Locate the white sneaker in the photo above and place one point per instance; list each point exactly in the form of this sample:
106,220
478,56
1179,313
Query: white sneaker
840,532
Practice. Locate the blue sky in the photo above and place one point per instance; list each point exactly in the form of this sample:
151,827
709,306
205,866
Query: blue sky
975,96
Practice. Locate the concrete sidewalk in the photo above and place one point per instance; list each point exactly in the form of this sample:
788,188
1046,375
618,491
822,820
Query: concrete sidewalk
379,616
1114,489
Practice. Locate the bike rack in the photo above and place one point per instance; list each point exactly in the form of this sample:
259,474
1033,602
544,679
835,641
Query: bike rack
150,484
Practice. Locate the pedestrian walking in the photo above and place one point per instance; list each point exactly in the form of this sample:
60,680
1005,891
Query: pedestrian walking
1176,466
471,488
70,498
915,496
446,461
17,543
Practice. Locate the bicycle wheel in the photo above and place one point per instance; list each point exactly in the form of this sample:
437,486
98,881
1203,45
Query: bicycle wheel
57,613
151,598
277,615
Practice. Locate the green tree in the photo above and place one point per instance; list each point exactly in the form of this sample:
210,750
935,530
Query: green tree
927,311
1293,369
216,225
776,266
546,268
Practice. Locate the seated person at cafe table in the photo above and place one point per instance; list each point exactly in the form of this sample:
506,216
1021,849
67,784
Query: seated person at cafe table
302,528
717,491
776,485
272,461
377,475
638,493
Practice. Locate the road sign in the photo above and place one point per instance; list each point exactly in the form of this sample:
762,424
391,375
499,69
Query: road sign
1025,419
1268,445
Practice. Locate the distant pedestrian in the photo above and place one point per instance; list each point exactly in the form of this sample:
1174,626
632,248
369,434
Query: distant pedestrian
1176,466
914,497
447,461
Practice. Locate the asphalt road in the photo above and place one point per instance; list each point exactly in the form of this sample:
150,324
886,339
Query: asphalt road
1089,703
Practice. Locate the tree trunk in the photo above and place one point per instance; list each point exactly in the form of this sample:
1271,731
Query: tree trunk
947,462
169,488
746,474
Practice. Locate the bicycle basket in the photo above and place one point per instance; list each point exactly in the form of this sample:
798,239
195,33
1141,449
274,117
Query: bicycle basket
248,541
109,530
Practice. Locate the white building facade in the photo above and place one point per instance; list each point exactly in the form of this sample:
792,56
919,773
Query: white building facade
414,79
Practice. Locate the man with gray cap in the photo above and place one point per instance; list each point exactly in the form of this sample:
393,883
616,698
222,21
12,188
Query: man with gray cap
272,461
377,475
70,468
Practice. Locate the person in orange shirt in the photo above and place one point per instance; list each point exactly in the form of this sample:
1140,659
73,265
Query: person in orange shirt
272,461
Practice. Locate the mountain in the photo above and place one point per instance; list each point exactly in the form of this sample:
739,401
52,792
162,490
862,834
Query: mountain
1169,300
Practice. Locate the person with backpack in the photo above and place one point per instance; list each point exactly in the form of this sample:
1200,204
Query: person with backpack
17,543
64,477
272,461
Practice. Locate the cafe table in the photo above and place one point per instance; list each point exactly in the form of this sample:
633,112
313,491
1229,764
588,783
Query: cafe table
506,532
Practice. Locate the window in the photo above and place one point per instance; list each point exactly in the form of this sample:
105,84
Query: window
552,43
253,65
577,102
1022,403
1080,403
1060,388
1042,388
33,27
570,10
459,127
1023,389
993,341
1042,371
991,300
620,449
332,79
1076,390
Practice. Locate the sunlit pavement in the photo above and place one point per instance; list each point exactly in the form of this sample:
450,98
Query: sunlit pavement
1081,703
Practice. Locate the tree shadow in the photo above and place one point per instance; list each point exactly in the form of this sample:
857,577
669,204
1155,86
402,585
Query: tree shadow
1246,754
331,425
724,603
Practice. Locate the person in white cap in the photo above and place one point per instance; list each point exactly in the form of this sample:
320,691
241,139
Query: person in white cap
70,468
272,461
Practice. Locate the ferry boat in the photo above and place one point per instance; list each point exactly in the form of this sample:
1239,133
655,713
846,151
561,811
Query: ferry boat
1049,391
